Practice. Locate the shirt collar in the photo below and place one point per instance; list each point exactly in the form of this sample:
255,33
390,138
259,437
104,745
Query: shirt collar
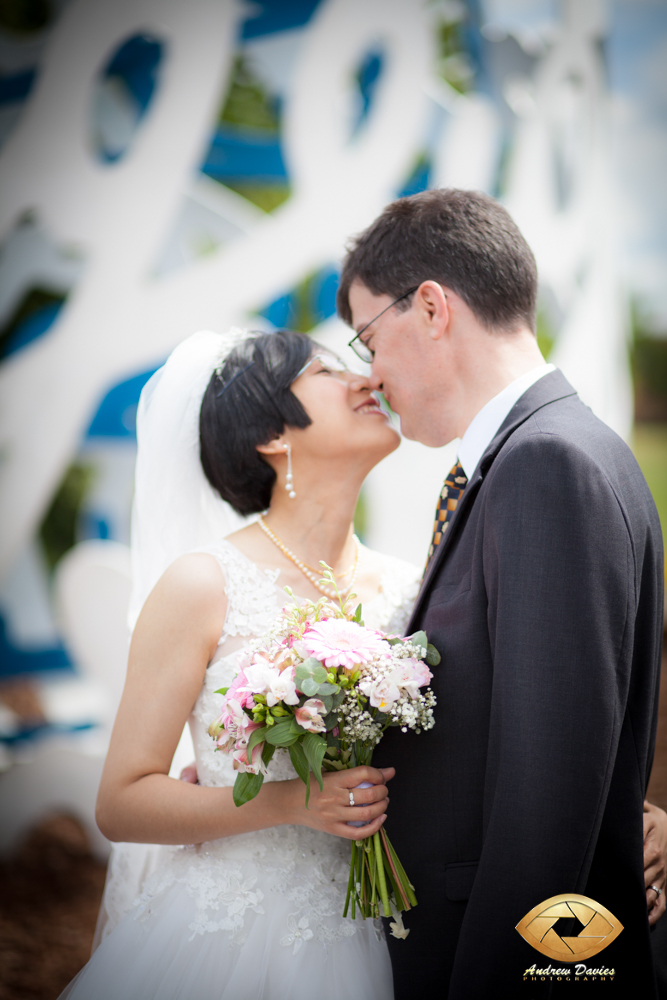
482,428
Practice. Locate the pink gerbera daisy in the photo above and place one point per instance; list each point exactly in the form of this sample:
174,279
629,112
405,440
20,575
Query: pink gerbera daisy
339,643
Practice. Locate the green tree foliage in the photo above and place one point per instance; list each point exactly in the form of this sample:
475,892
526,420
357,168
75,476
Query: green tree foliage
454,64
32,302
247,102
58,529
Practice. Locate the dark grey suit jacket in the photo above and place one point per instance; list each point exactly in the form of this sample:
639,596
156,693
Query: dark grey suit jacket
545,601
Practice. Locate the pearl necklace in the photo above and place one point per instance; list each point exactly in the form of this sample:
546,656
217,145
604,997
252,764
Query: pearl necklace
306,570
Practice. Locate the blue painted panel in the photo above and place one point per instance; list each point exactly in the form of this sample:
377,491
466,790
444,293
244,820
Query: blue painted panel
31,328
136,63
322,304
325,294
92,526
28,734
368,75
419,181
277,15
16,86
243,154
135,66
14,660
117,413
279,311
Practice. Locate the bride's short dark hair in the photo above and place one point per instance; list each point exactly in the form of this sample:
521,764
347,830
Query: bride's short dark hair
247,403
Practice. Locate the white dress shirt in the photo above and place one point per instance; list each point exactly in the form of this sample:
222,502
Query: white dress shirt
483,427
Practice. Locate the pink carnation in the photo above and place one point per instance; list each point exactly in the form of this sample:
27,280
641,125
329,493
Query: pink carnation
340,643
411,675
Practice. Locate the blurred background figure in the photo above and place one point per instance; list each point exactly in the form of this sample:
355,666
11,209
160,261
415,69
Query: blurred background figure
168,166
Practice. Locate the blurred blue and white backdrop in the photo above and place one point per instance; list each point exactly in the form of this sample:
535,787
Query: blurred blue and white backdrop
168,166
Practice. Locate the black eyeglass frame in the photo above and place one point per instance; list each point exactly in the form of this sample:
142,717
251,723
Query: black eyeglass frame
355,348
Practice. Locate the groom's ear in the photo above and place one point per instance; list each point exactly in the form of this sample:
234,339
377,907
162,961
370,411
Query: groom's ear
432,305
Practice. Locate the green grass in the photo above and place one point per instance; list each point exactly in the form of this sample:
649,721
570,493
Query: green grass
650,448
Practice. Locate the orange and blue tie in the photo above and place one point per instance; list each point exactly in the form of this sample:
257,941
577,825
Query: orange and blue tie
448,501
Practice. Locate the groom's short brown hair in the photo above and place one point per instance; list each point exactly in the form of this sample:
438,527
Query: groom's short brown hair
462,239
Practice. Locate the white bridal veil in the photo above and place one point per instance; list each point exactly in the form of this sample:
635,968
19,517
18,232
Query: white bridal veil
175,508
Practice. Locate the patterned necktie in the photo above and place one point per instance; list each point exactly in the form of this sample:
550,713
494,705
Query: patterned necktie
448,501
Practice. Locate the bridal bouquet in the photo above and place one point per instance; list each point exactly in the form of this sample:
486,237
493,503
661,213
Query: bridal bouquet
325,687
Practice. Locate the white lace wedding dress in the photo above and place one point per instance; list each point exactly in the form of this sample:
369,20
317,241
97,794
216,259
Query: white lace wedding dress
256,916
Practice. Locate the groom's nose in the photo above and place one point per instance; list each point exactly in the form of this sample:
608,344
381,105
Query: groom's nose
375,382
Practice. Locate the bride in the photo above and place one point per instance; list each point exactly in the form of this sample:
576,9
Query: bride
242,902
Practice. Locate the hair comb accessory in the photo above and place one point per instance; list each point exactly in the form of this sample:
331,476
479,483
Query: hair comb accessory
228,341
233,379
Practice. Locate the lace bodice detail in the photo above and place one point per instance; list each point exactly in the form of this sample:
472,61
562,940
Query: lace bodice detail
229,879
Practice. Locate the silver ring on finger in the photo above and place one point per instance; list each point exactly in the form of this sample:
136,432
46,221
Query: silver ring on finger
352,803
655,889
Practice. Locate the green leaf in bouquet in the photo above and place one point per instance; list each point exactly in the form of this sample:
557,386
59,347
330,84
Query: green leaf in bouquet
281,734
394,640
319,674
222,691
300,763
357,615
314,748
419,639
246,787
296,728
301,766
326,689
334,765
257,736
331,721
267,753
306,668
327,702
433,657
309,686
337,699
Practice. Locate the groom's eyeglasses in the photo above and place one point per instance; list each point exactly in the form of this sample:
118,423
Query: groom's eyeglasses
361,349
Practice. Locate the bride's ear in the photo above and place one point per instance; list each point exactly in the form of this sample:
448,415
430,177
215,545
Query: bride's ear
278,446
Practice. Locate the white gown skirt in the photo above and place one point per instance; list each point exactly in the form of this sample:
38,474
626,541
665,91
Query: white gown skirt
256,917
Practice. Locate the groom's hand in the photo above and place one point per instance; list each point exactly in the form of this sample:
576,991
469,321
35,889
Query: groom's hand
655,859
189,774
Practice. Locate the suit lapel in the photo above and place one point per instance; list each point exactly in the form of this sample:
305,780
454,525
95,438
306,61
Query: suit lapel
548,389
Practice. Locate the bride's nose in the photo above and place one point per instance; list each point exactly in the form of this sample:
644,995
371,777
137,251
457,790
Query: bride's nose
358,381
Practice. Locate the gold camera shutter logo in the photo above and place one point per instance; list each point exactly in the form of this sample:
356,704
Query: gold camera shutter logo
600,927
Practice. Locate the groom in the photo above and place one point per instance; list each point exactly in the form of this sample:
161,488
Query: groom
542,592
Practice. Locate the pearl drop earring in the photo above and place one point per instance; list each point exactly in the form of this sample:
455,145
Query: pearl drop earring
289,484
